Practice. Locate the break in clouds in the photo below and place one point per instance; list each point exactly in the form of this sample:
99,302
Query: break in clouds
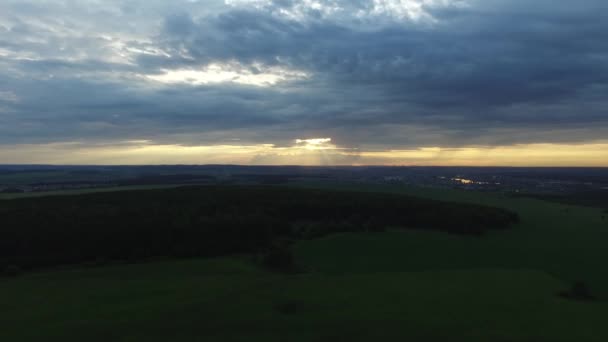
370,74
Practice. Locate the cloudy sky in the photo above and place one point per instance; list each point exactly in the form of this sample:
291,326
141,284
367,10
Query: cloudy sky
400,82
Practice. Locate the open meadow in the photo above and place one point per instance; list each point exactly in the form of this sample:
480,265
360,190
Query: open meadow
353,286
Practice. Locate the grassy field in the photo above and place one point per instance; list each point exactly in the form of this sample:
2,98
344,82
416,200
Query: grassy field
19,178
229,300
9,196
566,241
398,285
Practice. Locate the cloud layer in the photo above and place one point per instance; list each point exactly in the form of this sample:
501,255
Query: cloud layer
374,75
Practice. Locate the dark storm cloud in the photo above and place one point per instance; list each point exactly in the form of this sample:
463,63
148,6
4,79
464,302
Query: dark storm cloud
74,109
469,67
455,73
500,60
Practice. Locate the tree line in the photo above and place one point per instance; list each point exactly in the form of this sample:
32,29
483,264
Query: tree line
202,221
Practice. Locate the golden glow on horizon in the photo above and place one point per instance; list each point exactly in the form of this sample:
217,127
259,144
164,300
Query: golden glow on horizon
589,154
317,151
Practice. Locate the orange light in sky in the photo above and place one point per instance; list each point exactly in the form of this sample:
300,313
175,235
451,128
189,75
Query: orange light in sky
315,151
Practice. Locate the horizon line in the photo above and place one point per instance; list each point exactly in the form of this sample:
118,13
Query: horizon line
317,166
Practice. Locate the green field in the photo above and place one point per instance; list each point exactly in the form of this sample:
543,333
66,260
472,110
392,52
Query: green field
566,241
19,178
8,196
397,285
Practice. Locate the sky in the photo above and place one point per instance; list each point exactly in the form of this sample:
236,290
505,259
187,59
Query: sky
304,82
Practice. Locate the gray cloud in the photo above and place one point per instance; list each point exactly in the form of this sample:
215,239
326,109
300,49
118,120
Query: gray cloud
450,74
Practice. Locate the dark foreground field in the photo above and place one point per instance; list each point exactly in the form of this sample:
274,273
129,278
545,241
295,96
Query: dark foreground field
413,284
